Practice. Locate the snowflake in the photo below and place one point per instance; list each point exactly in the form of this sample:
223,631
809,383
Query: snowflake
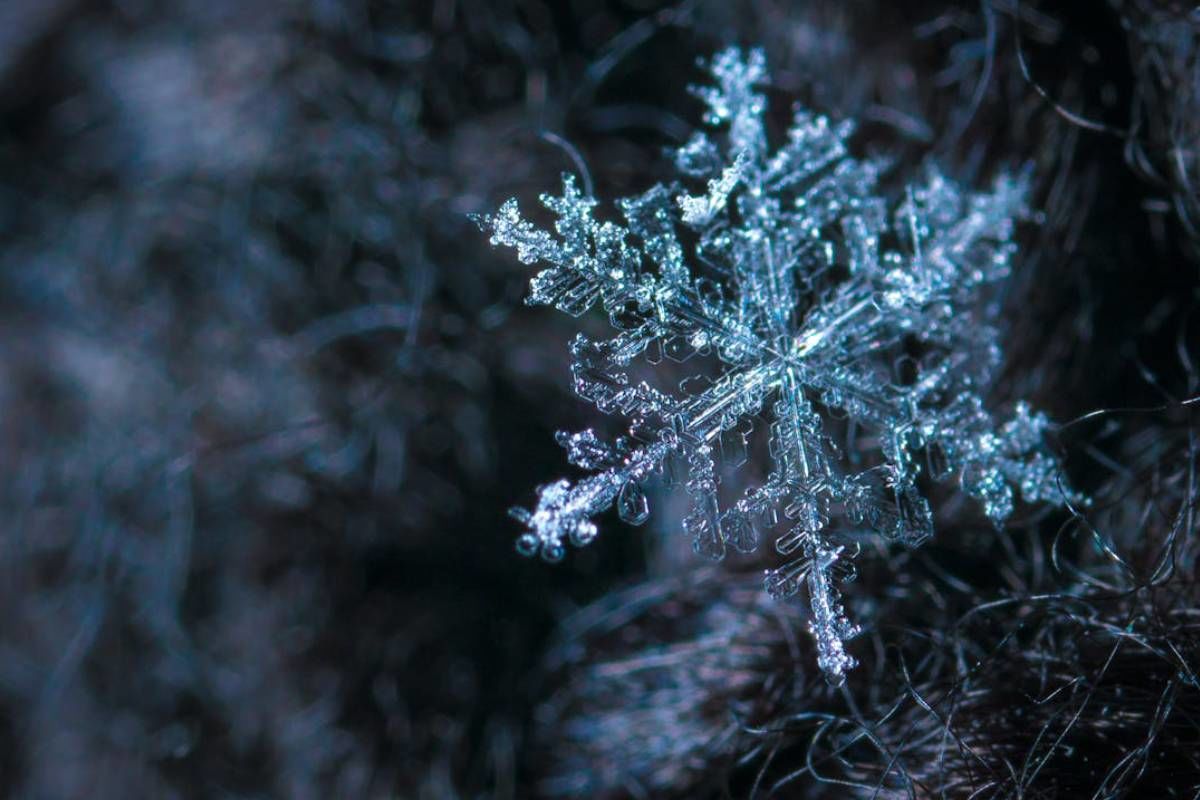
850,325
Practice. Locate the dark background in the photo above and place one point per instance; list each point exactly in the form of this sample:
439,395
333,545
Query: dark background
266,393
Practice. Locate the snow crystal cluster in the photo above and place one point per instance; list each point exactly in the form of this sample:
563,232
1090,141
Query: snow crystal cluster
857,329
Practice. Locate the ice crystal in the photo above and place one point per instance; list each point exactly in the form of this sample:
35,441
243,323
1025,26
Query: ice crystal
839,317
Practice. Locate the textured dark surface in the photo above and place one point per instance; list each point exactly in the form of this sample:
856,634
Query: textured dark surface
266,393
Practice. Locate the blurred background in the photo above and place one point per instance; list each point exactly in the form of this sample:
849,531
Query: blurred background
266,394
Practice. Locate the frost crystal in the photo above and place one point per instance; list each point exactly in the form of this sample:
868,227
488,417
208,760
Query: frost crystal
850,325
